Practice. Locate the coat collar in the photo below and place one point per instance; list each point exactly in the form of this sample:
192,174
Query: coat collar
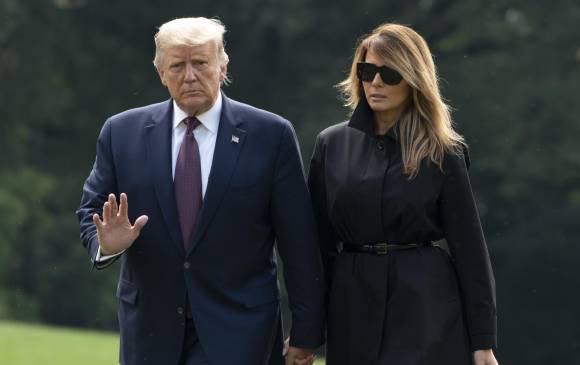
158,157
362,119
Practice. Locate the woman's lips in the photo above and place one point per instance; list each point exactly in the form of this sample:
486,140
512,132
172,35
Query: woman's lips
377,97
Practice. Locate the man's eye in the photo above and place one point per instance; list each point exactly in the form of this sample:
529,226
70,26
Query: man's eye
176,66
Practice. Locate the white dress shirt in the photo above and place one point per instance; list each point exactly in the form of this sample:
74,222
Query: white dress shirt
205,135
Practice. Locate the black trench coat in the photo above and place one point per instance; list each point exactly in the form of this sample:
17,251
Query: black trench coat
414,306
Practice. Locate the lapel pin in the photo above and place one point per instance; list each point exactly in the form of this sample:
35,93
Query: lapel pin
235,139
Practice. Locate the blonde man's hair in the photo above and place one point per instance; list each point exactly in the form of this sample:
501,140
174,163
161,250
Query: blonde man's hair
190,32
425,127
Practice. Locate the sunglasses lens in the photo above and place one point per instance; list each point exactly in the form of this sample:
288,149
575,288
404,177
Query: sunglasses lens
390,76
366,71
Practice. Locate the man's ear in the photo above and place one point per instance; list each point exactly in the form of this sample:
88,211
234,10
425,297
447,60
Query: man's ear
223,71
161,74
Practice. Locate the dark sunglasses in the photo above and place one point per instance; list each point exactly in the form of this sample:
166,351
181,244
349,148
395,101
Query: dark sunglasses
367,71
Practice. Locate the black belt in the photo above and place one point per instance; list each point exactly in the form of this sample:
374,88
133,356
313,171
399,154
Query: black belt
381,248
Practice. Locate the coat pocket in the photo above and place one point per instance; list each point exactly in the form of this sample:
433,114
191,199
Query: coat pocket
127,291
261,295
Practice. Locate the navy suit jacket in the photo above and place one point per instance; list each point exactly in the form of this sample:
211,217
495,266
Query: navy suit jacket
256,196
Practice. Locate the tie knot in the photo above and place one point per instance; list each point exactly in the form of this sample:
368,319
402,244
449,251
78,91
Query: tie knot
191,123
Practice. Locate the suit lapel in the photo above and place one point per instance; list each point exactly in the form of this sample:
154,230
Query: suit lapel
229,143
159,161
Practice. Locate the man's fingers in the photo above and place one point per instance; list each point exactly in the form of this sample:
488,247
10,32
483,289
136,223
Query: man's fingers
296,356
140,223
113,203
306,361
97,221
123,206
106,212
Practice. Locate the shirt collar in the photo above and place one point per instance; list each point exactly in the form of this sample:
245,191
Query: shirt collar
209,119
362,119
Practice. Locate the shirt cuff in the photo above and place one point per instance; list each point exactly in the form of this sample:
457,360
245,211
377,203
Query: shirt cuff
103,258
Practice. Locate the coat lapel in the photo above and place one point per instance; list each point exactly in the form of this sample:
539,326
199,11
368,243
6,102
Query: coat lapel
159,160
229,143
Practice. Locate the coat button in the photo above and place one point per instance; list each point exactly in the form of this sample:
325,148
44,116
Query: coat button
180,310
186,265
380,145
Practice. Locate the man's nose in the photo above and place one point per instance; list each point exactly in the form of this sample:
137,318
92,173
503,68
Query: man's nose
190,73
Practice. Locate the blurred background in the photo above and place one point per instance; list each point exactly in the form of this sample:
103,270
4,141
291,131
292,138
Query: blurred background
509,68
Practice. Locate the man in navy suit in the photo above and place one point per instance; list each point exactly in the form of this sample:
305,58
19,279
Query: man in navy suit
210,185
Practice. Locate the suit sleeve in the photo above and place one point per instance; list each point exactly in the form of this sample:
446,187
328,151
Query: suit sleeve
464,234
100,183
326,233
295,230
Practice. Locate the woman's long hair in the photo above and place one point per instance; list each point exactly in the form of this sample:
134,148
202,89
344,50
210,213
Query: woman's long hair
425,127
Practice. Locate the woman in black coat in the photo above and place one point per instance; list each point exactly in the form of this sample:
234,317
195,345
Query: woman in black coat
386,185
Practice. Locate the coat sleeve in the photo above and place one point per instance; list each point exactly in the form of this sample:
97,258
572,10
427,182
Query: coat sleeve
297,243
100,183
462,228
326,233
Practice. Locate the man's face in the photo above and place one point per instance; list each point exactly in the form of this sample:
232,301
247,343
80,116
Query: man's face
193,76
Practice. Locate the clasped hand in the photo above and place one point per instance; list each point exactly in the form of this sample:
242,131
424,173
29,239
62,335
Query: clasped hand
297,356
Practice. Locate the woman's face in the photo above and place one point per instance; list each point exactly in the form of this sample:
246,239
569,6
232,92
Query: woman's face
389,100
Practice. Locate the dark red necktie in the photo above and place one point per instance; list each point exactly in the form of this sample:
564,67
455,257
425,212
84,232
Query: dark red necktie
187,181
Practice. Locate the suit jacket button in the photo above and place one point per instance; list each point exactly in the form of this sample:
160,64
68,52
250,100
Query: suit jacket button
180,310
186,265
380,145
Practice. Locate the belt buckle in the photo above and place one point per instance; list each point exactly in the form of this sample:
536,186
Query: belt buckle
381,248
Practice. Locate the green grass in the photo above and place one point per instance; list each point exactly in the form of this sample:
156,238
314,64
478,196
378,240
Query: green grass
25,344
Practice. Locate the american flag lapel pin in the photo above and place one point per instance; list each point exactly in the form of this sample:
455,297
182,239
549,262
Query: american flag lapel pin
235,139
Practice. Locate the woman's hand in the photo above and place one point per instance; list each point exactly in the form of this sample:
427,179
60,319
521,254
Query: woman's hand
484,357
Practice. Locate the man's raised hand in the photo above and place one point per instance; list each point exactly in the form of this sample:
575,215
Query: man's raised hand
114,231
